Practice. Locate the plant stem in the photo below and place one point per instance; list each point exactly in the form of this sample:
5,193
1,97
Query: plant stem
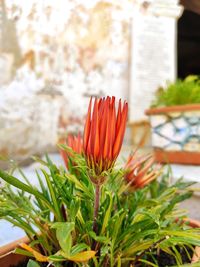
63,212
96,211
96,207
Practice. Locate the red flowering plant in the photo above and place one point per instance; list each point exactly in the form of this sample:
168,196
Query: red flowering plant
98,211
103,135
139,171
73,144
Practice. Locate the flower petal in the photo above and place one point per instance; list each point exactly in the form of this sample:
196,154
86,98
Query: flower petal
95,131
87,127
120,132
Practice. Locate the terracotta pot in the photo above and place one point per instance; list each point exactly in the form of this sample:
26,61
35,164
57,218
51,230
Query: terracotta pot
13,259
7,257
195,224
176,133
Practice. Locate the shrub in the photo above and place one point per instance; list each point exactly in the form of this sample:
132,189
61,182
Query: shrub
179,93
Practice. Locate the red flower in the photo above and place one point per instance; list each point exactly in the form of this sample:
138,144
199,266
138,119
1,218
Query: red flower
76,143
104,133
140,171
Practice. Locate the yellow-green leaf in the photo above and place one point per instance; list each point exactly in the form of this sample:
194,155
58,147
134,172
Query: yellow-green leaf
63,234
83,256
39,257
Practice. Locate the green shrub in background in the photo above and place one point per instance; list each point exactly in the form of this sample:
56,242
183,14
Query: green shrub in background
181,92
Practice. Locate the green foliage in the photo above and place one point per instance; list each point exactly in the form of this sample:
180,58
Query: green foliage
179,93
63,234
32,263
58,217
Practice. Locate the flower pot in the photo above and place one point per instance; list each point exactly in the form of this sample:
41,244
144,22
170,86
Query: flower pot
13,259
195,224
7,257
176,133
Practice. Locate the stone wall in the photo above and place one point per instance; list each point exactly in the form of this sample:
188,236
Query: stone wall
69,51
29,120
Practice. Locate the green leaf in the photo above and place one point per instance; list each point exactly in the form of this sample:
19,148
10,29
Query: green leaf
83,256
148,263
79,248
190,78
24,187
32,263
79,185
137,246
101,239
197,264
183,240
63,234
39,160
107,215
74,208
119,263
55,200
56,258
116,227
181,184
153,215
23,252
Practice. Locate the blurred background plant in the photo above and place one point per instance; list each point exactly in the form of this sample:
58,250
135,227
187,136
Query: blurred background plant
181,92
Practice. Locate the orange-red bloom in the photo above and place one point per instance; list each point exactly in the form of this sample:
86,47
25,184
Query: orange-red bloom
140,171
74,142
104,133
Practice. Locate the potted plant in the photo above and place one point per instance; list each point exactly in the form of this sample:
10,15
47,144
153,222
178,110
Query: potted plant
175,119
93,213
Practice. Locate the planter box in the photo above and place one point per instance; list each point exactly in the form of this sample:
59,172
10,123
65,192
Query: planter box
176,133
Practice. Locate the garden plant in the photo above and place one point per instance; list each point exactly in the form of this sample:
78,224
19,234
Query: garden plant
96,211
181,92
